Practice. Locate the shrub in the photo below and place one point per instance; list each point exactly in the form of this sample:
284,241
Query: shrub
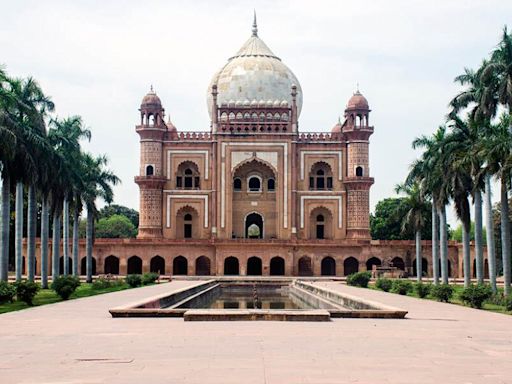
402,287
106,281
134,280
442,292
422,289
359,279
508,303
65,286
149,278
475,295
7,292
26,291
384,284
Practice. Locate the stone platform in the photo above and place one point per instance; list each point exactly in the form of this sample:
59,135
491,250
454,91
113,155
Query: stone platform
79,342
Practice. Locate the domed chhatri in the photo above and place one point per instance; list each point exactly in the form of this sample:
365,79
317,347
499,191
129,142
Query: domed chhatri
357,101
254,72
151,99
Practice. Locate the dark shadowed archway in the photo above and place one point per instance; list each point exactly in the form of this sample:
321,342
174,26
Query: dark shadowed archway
398,263
134,265
157,265
203,266
350,266
328,267
83,266
61,265
180,266
111,265
254,267
231,266
371,262
305,267
424,267
277,266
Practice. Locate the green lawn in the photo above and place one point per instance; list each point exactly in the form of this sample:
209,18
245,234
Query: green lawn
48,296
457,289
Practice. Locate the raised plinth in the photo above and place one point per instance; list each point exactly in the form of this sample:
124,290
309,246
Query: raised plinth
255,314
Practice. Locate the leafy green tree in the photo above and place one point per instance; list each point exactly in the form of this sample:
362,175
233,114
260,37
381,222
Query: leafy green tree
386,222
115,226
456,234
115,209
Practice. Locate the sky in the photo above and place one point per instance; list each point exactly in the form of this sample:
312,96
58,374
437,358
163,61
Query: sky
97,59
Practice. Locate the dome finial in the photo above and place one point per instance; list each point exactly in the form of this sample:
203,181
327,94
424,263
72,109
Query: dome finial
254,26
151,88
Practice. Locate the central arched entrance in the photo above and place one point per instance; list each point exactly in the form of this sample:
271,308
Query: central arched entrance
231,266
254,226
179,265
254,266
328,267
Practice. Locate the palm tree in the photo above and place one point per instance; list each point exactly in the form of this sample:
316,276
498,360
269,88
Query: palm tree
98,182
429,172
473,96
415,217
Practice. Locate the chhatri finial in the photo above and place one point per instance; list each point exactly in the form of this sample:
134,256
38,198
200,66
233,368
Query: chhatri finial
357,88
254,26
151,89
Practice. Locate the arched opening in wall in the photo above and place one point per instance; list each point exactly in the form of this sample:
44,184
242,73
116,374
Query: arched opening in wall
424,267
328,267
371,262
305,267
359,171
254,226
180,266
486,269
449,268
276,266
134,265
237,184
398,263
320,176
350,266
271,185
61,265
83,266
187,223
157,265
254,184
188,176
231,266
111,265
320,223
254,267
203,266
150,170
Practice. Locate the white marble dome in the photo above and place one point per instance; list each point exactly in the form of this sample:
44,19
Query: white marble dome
255,72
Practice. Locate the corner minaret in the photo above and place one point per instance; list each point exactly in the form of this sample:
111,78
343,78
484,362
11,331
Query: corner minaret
357,132
151,179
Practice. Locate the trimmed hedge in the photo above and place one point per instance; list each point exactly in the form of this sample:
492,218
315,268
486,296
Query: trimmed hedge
384,284
475,295
359,279
64,286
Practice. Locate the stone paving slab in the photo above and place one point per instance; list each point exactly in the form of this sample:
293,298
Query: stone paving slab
79,342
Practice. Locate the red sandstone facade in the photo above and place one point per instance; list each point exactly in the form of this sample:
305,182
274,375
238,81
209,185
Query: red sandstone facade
254,195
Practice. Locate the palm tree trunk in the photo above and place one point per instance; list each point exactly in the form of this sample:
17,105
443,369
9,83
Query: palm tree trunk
505,235
465,253
18,236
489,224
45,222
88,248
479,251
31,232
55,244
4,238
65,236
75,244
419,259
443,240
435,246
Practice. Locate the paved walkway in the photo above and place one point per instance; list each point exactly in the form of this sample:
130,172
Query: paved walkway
78,342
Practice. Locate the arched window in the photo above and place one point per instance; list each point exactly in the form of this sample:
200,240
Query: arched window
359,171
271,185
149,170
187,176
237,184
187,226
223,116
320,177
254,184
320,227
